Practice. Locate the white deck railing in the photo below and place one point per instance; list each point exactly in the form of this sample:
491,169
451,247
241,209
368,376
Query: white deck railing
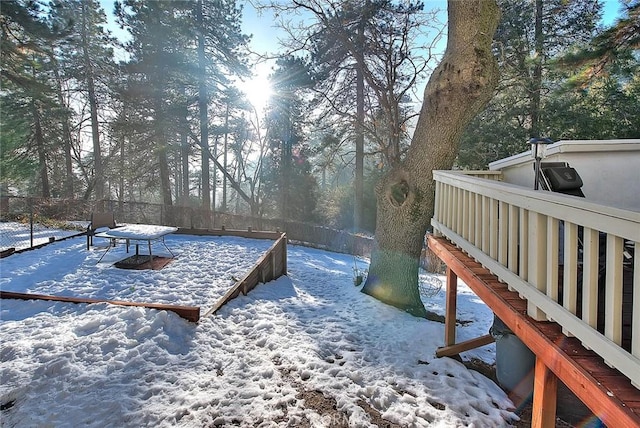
532,239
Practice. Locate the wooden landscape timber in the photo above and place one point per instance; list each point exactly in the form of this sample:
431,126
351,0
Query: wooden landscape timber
190,313
272,265
249,233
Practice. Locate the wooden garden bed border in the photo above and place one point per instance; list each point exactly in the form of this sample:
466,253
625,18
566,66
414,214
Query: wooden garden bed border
249,233
190,313
271,265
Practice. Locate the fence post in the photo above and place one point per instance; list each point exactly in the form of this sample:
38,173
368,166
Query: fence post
30,201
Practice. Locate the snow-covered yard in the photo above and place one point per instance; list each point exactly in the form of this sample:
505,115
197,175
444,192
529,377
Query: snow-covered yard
255,363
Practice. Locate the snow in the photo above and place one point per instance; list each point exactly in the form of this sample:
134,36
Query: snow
100,365
138,231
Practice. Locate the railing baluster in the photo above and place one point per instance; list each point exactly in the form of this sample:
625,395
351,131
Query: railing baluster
461,214
553,228
523,269
514,214
454,207
477,238
590,276
465,215
445,204
537,260
447,201
635,314
471,197
486,224
503,233
613,292
456,210
493,228
437,206
570,272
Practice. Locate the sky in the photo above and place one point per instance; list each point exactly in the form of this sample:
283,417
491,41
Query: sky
261,25
253,364
265,33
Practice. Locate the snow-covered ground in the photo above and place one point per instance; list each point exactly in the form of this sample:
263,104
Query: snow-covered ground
101,365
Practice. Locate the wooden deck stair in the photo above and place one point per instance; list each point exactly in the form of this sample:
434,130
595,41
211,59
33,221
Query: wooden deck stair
604,390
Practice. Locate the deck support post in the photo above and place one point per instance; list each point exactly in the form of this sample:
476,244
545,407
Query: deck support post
450,309
545,393
450,347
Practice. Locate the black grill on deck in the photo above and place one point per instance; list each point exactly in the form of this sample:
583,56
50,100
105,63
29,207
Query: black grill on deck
560,177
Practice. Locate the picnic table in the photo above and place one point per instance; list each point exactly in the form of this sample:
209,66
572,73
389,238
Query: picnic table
138,232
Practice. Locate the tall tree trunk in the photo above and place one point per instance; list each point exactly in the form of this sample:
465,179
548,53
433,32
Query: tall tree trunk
184,155
224,158
203,102
285,166
66,137
238,155
536,84
93,110
162,147
183,185
459,87
42,152
214,185
165,182
359,178
121,195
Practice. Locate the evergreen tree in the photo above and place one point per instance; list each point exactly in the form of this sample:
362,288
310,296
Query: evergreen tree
613,45
29,103
599,95
529,36
173,72
287,179
220,55
85,58
156,70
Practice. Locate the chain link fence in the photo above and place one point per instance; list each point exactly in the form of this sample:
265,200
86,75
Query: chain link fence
27,222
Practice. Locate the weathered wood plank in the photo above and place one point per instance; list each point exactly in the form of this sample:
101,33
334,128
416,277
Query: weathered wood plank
455,349
190,313
230,232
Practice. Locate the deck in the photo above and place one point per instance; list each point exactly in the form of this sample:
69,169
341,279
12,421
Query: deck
560,272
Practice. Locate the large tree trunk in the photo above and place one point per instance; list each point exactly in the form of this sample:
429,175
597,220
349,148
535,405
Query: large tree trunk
459,87
203,103
42,152
93,110
66,137
536,84
359,173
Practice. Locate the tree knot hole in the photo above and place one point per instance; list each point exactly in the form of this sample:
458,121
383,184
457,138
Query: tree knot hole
399,193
